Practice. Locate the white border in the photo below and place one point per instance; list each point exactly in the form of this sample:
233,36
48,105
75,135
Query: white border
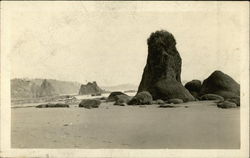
5,121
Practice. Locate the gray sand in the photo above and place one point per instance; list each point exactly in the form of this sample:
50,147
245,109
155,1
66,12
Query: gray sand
200,126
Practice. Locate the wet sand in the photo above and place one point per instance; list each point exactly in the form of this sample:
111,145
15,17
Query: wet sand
200,126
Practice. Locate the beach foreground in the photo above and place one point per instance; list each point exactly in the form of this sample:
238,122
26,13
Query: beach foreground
201,125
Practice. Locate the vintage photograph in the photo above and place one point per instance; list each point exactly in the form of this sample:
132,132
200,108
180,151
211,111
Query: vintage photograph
125,75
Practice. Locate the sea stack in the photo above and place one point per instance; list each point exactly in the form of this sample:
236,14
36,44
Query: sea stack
90,88
162,73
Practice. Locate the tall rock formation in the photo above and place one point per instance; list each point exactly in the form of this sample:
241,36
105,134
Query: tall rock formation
90,88
162,73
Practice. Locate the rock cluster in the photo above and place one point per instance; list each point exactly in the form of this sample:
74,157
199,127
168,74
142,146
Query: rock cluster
162,76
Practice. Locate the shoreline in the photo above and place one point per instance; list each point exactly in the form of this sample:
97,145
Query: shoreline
200,126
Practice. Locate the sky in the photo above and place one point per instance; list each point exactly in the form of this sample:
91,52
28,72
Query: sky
106,41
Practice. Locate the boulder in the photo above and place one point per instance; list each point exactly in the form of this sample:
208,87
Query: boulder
141,98
50,105
42,106
220,84
235,100
159,101
120,99
167,106
162,73
211,97
194,88
112,96
175,101
226,105
90,103
120,104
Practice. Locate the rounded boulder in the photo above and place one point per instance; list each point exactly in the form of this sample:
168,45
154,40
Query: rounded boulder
175,101
212,97
226,105
90,103
121,99
141,98
112,96
193,86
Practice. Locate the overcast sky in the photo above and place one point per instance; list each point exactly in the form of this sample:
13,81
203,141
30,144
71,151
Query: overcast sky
106,41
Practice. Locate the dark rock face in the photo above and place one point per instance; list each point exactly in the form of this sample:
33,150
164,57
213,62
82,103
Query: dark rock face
47,89
142,98
90,103
112,96
226,105
121,99
194,87
212,97
162,73
220,84
167,89
90,88
49,105
195,95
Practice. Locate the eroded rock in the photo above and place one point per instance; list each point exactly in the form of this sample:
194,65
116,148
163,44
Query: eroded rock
162,73
141,98
211,97
90,103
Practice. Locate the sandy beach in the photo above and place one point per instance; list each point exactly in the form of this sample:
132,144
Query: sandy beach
200,126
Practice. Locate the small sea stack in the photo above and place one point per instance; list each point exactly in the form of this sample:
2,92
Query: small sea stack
90,88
